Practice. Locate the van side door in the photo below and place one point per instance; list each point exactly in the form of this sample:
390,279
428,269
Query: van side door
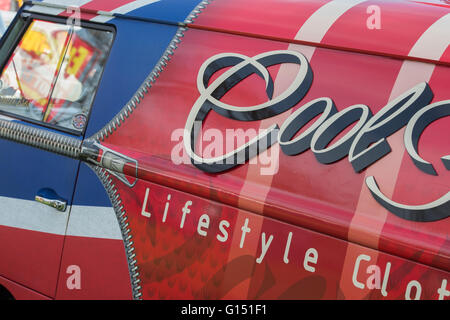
50,69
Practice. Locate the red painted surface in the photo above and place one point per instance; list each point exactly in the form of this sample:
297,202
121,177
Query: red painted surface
39,257
314,232
402,23
347,78
329,200
20,292
183,258
103,269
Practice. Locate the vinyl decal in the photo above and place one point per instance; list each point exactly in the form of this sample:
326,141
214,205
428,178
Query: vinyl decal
365,143
242,67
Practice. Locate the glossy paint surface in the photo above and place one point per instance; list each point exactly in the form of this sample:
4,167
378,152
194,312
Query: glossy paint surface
281,227
39,263
221,252
329,199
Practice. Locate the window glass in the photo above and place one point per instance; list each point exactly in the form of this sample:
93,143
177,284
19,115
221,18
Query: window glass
53,73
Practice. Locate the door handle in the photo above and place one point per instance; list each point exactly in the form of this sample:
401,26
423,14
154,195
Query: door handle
50,198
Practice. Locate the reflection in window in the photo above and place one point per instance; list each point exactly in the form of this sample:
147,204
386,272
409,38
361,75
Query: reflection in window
53,73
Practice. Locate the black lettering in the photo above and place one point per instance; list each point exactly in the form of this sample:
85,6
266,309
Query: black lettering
370,144
414,130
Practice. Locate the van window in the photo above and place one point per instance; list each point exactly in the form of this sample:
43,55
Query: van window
53,73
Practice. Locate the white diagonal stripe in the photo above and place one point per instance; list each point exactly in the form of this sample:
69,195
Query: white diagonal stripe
32,215
433,42
85,221
124,9
430,45
93,222
318,24
313,30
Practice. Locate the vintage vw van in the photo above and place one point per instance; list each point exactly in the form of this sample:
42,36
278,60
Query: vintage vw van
227,149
